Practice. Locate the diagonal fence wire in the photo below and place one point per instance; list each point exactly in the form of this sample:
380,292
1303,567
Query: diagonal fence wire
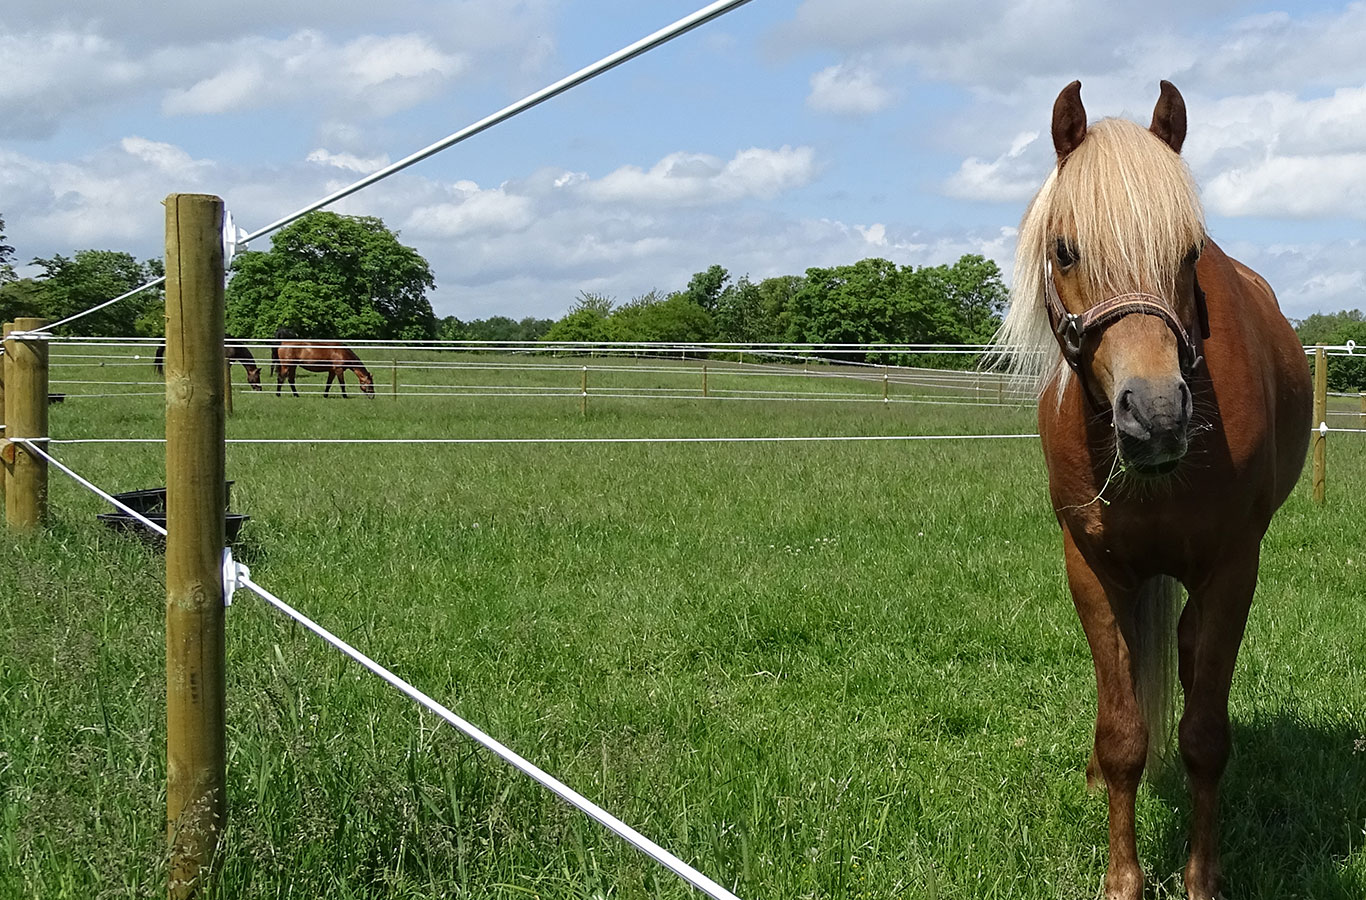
628,834
570,796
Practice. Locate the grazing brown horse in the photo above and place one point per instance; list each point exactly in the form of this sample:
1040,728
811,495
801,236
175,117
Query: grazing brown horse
1174,412
334,359
231,352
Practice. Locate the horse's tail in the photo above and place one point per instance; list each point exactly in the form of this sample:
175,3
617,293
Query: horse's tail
156,361
1155,661
275,361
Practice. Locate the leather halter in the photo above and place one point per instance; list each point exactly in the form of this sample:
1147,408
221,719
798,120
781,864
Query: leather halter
1073,329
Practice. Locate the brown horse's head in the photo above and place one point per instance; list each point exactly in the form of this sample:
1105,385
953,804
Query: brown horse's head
253,376
367,384
1105,273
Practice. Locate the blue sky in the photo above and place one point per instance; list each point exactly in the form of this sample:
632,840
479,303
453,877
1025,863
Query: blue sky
788,134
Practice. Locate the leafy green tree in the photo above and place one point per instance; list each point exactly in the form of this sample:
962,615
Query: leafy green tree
676,318
705,288
71,285
1319,328
600,304
976,296
579,325
450,328
6,258
334,276
21,298
755,313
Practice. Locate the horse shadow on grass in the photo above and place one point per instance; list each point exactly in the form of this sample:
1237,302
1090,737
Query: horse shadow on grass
1293,808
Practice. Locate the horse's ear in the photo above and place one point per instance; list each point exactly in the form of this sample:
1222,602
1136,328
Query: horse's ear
1069,120
1169,117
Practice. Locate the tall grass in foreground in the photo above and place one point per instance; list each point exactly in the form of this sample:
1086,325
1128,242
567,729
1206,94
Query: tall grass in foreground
812,670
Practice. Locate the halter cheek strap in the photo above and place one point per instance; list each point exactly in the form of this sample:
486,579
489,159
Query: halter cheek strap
1072,330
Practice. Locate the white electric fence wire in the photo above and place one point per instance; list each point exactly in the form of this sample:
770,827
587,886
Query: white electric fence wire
645,44
31,445
616,440
44,331
526,767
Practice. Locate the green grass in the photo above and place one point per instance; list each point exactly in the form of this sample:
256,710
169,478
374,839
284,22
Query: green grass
812,670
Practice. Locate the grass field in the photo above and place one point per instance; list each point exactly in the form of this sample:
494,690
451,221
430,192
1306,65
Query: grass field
839,670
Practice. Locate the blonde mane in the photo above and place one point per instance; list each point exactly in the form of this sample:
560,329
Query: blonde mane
1128,203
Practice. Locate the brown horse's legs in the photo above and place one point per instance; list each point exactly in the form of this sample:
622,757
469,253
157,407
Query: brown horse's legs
331,374
341,380
1210,633
1121,744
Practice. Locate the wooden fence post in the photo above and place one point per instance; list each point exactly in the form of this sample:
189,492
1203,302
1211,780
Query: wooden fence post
704,379
26,382
5,329
196,802
583,393
393,371
1320,416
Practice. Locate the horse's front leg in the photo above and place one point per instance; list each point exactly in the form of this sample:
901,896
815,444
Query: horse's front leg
1121,742
341,380
331,375
1208,639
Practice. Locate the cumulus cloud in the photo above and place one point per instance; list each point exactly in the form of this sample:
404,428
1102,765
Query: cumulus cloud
699,178
1292,186
380,75
1010,178
853,90
197,64
348,161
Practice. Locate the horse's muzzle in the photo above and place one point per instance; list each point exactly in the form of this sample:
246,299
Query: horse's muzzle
1152,422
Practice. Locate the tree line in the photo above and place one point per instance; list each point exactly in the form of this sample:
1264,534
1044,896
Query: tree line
348,277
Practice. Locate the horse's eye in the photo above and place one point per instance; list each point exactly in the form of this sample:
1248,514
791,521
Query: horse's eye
1067,253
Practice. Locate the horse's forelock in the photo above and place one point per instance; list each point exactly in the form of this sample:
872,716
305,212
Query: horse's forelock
1129,203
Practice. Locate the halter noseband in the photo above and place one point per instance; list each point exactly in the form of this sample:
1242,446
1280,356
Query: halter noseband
1073,329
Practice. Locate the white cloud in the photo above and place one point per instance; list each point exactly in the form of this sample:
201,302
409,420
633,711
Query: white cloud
853,90
371,74
1010,178
348,161
471,211
1292,186
198,62
702,179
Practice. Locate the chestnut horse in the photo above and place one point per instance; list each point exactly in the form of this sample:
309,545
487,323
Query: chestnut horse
232,353
334,359
1174,413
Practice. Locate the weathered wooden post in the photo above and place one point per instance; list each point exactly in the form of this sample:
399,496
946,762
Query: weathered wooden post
196,802
393,380
884,384
1320,417
25,417
5,329
704,379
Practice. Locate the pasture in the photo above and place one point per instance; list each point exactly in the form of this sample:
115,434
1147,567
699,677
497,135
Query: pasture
843,670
